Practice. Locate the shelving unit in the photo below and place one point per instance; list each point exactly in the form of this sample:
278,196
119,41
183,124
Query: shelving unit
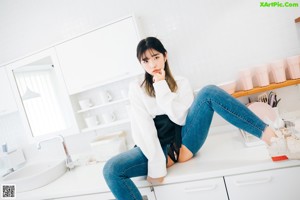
266,88
103,105
118,89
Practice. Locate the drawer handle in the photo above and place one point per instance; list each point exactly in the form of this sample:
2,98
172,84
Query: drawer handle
198,189
253,182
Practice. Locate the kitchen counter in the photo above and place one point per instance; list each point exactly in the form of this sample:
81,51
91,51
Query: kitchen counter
223,154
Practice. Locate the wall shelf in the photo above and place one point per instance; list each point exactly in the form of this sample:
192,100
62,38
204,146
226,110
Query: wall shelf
297,20
101,126
266,88
103,105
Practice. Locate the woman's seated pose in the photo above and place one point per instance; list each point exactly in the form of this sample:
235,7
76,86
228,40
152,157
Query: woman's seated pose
160,97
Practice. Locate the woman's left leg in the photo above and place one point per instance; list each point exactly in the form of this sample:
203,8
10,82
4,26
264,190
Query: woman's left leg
209,100
119,170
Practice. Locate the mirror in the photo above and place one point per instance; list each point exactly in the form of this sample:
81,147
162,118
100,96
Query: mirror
44,99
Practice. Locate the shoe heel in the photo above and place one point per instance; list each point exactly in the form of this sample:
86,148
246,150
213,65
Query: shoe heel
279,158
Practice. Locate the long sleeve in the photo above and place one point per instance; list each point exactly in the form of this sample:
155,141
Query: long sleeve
175,105
145,135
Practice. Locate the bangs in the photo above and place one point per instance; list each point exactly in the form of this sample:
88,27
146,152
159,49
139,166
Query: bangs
143,55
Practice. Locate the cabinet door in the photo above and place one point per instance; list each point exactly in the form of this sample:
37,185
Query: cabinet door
211,189
274,184
102,55
147,193
7,101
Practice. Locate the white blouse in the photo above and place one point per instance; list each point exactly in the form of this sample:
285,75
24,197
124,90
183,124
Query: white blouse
144,108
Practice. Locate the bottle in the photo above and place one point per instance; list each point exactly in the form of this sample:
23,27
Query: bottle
4,148
4,161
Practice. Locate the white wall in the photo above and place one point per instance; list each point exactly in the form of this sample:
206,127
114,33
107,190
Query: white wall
208,40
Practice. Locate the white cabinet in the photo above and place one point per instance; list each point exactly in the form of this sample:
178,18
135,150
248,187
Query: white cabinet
210,189
147,194
41,95
102,55
274,184
7,101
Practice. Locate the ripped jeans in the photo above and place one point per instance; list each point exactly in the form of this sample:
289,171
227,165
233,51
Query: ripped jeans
119,169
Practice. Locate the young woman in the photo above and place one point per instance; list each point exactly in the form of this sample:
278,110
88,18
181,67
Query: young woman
162,94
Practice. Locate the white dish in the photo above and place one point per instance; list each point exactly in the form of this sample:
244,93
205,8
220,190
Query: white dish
264,111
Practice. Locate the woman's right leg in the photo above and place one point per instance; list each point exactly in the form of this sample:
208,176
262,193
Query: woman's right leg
209,100
119,169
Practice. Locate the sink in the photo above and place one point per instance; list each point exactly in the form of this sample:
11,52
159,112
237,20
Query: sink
36,175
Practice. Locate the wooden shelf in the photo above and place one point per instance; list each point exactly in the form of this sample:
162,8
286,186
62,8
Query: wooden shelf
297,20
266,88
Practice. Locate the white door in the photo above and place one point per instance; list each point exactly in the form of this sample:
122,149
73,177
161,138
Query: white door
7,101
211,189
274,185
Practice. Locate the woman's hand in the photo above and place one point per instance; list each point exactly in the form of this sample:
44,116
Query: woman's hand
155,180
158,76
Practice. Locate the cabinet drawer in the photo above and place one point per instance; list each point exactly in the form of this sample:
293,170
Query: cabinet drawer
211,189
274,184
147,194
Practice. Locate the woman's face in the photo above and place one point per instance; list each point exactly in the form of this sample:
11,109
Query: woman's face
153,61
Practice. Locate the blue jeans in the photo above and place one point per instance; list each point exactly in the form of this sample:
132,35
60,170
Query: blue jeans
119,169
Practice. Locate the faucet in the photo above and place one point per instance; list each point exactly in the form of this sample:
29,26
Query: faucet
69,162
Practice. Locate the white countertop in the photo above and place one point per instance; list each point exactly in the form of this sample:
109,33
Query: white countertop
223,154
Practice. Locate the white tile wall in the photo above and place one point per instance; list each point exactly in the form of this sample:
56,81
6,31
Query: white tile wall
207,41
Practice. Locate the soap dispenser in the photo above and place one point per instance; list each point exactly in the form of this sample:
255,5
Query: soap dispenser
4,149
5,165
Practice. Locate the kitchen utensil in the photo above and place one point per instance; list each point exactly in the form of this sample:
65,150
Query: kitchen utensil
272,99
263,98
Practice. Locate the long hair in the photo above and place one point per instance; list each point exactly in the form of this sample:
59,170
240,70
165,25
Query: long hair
142,47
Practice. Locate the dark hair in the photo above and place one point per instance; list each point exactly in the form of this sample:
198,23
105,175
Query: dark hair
142,47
